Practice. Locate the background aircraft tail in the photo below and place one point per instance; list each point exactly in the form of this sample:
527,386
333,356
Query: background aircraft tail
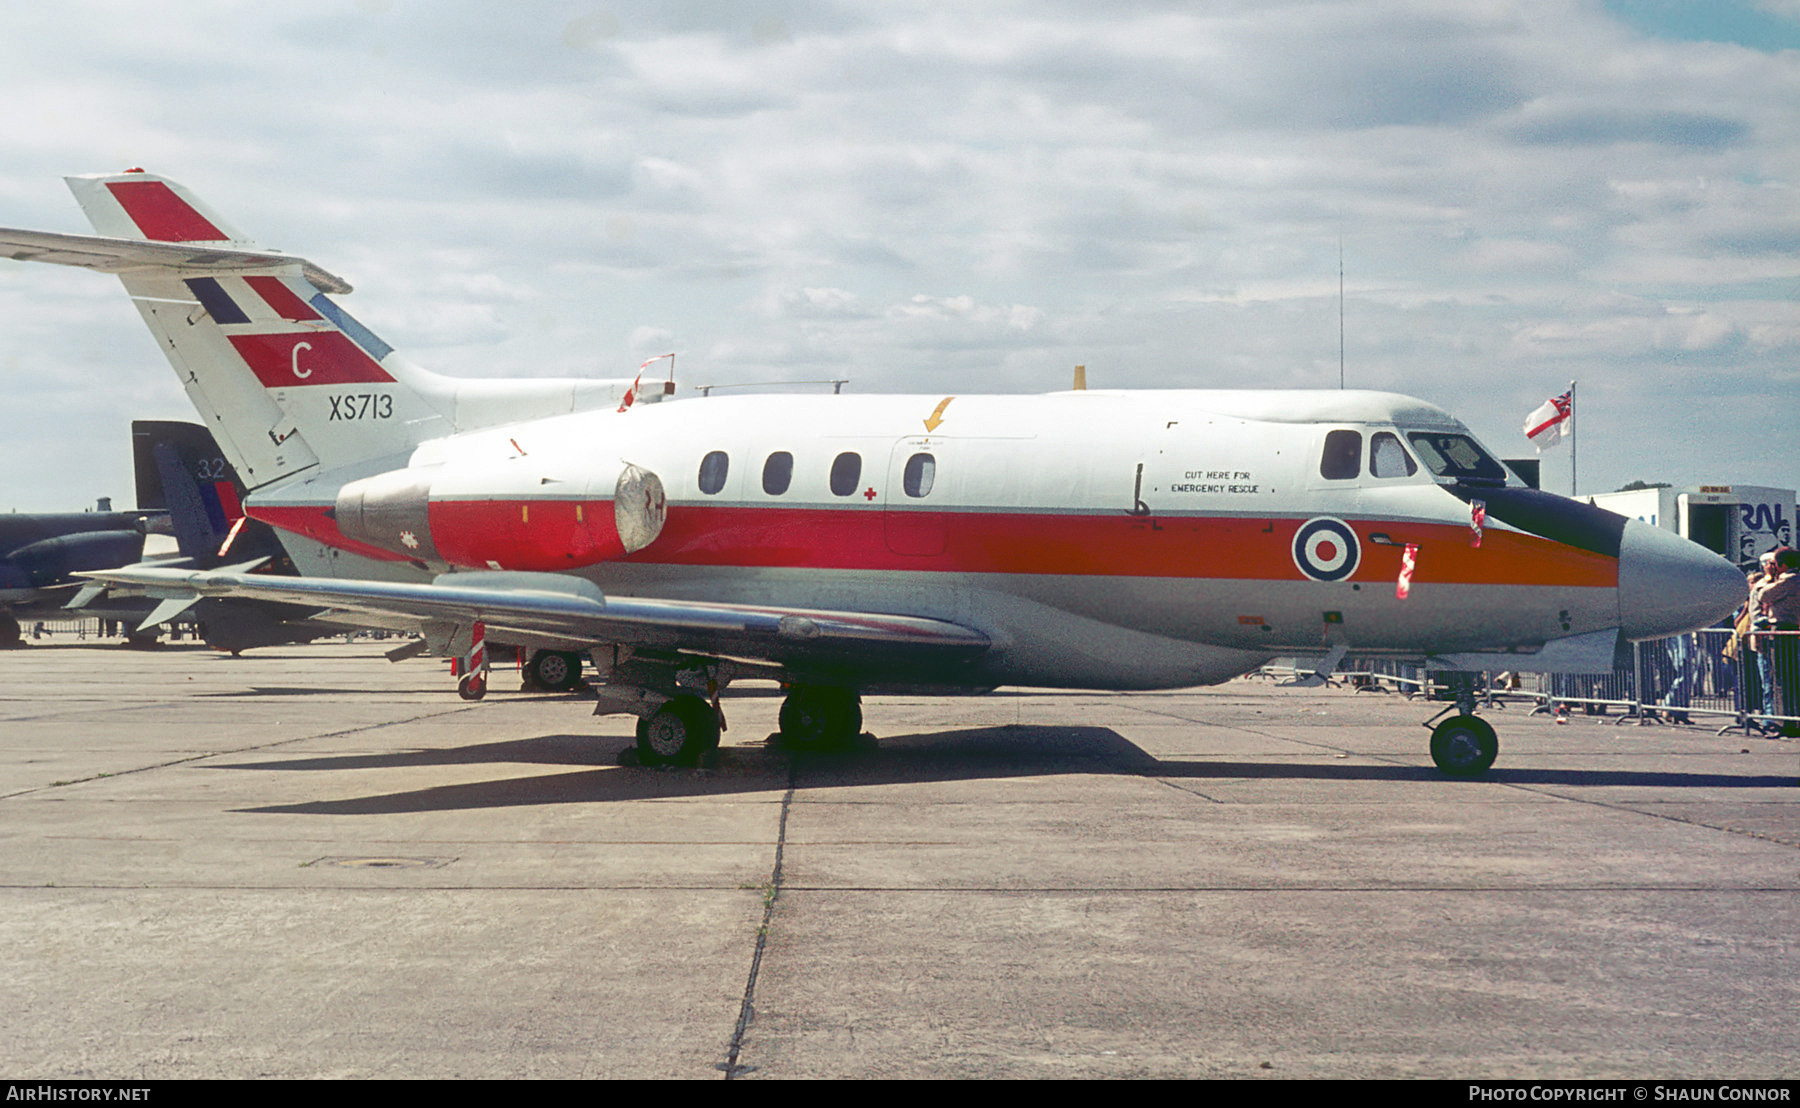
181,470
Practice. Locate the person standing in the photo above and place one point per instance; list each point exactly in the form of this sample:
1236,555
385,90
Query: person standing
1777,601
1752,664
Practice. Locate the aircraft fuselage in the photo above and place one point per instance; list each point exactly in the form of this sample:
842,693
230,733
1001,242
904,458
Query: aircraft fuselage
1100,539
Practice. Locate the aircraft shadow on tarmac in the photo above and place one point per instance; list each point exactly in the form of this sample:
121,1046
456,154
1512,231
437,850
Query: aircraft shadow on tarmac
258,691
972,754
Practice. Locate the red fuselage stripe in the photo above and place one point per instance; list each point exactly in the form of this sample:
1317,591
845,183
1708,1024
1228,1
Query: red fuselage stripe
312,522
869,538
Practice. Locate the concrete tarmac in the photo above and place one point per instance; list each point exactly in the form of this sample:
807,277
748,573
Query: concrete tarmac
309,862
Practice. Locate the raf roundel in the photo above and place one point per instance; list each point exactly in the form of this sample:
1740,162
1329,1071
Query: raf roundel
1326,549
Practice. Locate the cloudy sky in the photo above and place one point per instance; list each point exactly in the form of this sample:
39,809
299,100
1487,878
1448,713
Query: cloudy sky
959,198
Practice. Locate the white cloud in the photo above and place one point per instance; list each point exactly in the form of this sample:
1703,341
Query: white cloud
919,196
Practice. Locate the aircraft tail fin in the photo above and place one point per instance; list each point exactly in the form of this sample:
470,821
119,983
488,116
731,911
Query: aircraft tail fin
287,380
139,205
180,469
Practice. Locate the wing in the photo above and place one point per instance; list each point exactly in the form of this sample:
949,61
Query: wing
546,606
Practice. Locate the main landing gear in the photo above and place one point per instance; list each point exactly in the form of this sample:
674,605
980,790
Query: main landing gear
681,732
814,719
818,718
554,670
1465,744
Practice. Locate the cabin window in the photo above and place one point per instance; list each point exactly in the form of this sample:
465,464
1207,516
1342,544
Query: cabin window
713,469
921,471
1387,458
1456,456
778,472
846,473
1343,456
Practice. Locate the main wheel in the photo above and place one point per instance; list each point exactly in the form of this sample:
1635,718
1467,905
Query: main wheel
555,670
680,733
1464,746
818,717
9,632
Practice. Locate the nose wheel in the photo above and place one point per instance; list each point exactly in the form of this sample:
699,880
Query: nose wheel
1464,746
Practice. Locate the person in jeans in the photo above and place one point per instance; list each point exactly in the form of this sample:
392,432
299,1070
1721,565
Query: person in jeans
1777,602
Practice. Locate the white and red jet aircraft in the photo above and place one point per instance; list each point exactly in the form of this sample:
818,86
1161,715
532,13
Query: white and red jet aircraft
842,544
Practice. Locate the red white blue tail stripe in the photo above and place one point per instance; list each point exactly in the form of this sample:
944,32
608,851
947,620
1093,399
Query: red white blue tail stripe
290,334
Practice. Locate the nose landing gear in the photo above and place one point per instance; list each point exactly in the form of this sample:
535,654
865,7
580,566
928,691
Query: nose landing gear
1465,744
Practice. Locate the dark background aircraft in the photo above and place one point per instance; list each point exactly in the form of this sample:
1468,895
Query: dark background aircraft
41,553
185,489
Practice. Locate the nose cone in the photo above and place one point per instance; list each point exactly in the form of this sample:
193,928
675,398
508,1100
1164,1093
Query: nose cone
1668,585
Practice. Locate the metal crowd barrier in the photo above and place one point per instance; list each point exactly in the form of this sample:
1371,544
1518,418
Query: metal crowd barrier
1673,680
60,628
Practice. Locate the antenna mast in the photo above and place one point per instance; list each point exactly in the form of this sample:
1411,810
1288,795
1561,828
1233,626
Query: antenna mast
1340,307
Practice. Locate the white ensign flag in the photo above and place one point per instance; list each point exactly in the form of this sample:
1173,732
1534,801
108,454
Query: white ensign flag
1553,422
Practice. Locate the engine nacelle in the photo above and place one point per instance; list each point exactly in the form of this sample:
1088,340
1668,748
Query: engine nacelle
512,516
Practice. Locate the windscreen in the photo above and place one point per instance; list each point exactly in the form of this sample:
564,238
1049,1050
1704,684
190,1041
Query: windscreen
1456,456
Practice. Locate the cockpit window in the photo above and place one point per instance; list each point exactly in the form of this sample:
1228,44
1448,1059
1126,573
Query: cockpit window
1456,456
1342,460
1388,458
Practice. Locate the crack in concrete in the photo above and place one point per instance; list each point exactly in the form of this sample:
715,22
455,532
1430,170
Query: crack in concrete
771,893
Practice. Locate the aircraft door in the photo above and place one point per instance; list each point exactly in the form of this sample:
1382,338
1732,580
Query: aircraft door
914,516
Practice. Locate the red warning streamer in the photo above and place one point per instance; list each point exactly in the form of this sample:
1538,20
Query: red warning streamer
478,662
631,394
1409,558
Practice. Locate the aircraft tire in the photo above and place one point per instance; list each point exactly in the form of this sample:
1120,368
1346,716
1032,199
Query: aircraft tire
555,670
1464,746
819,717
9,632
473,686
680,733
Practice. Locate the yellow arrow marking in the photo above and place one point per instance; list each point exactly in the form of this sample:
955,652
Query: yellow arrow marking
937,415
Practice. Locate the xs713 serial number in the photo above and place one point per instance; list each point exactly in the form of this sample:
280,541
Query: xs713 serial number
362,405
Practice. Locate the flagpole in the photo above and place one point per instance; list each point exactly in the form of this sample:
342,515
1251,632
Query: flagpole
1574,487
